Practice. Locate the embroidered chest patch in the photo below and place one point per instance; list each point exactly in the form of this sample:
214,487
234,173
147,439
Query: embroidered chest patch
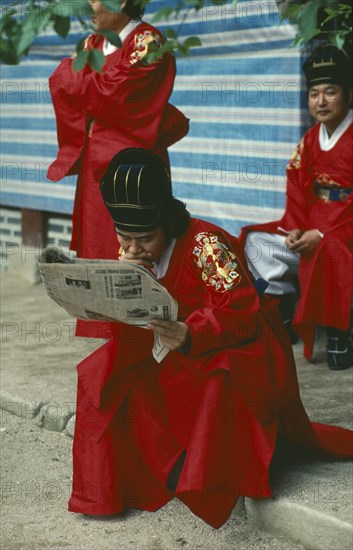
142,40
217,263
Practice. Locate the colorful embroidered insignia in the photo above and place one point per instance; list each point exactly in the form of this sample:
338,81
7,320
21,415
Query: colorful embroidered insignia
217,263
294,162
142,40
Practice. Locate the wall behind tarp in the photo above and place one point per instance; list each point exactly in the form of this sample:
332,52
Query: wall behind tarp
242,91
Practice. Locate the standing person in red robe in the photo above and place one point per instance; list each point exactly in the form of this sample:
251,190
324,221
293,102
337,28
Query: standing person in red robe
98,114
315,234
202,424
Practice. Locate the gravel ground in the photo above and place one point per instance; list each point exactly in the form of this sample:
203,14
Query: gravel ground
36,474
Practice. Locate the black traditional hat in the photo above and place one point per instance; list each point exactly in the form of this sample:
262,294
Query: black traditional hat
136,189
328,65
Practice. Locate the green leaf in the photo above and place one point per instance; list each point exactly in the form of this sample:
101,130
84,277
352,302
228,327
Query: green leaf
6,20
192,41
337,39
298,41
7,53
307,20
331,11
63,9
170,33
306,17
184,47
43,19
112,5
155,52
62,26
67,8
96,59
7,24
81,8
80,60
183,51
23,36
112,37
291,12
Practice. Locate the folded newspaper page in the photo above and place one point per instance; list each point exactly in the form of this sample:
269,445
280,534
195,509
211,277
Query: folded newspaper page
107,290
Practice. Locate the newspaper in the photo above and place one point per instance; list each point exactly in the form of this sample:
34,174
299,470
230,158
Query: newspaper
107,290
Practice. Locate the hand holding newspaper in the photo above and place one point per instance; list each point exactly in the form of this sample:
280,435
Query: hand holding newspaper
107,290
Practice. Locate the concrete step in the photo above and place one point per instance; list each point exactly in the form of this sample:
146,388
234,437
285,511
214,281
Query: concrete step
312,505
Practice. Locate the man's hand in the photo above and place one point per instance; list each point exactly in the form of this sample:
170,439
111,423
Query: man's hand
293,237
173,334
306,243
137,259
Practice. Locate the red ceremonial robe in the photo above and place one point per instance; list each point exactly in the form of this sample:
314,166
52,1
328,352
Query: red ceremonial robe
225,402
99,114
325,275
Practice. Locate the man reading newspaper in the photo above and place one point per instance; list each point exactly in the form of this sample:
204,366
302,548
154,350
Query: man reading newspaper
201,425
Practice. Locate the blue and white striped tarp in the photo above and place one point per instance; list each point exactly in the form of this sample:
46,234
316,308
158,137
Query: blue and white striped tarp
242,91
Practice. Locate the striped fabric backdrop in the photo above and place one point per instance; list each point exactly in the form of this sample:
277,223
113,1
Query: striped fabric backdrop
242,91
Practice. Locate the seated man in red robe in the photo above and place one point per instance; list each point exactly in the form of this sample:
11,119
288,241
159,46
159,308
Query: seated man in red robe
315,234
202,424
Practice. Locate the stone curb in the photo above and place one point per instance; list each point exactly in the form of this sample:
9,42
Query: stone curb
49,415
15,405
283,517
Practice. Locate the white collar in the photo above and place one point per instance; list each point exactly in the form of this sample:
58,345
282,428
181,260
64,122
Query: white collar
328,142
108,48
160,268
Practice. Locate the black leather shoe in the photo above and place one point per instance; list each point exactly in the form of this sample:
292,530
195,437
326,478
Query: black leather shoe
339,353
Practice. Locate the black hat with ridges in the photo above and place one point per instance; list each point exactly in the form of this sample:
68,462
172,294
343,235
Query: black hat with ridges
136,188
328,65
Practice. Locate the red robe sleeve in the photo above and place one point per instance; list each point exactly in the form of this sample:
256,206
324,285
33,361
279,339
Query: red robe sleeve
70,128
298,203
229,317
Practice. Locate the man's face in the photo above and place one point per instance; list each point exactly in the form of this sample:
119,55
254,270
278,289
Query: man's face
328,104
103,18
145,245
